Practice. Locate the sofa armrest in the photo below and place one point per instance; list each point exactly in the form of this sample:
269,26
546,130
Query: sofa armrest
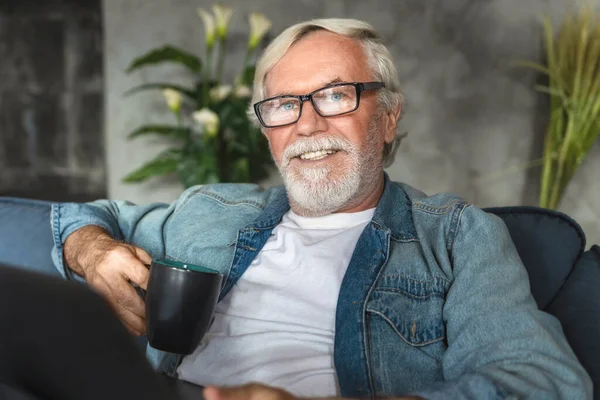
25,235
577,306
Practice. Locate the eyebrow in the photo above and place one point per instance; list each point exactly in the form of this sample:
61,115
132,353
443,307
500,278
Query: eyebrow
332,82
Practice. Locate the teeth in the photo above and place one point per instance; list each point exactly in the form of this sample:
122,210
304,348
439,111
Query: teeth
317,155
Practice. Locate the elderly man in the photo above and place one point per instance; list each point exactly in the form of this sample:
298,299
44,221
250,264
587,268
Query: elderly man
343,283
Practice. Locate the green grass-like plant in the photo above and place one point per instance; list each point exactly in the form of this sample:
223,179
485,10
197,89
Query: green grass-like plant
573,70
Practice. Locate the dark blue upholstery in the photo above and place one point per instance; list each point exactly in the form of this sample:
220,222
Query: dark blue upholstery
565,281
548,243
26,235
577,306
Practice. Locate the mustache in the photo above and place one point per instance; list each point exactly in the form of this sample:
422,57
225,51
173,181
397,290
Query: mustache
315,144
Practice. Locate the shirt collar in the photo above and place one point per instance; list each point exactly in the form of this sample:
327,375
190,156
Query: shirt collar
393,212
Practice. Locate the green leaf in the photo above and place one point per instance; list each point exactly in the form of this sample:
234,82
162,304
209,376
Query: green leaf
201,90
225,111
532,65
211,177
167,53
190,175
241,170
160,86
248,75
239,147
163,164
197,168
161,130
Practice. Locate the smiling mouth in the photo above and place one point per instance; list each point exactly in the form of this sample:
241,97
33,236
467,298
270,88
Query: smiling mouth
316,155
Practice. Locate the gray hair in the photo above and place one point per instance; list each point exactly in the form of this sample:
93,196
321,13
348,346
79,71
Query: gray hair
378,56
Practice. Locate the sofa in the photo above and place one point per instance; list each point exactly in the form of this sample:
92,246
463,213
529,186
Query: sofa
565,279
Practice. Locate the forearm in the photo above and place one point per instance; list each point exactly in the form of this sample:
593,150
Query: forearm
510,380
120,220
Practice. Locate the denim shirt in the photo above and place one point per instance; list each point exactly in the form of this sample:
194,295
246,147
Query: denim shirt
435,301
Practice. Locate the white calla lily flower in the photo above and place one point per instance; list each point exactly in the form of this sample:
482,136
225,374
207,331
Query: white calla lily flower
259,26
209,26
173,99
222,16
209,121
219,93
242,92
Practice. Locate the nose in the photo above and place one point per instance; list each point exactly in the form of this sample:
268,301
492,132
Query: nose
310,121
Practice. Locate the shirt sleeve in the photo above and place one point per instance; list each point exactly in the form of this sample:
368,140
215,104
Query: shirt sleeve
499,344
141,225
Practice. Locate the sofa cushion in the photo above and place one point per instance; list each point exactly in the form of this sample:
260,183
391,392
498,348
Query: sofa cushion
548,243
26,235
577,306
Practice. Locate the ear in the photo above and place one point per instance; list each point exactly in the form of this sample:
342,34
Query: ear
390,123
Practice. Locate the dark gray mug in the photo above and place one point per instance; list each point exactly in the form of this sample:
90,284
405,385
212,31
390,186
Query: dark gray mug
180,303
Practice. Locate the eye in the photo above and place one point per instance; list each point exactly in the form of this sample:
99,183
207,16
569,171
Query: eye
336,96
287,106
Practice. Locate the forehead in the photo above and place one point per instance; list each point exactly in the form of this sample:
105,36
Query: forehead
315,60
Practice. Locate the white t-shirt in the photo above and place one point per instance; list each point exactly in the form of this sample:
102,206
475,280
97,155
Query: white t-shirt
277,324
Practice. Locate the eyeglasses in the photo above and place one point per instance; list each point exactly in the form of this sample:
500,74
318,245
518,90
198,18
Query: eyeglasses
330,101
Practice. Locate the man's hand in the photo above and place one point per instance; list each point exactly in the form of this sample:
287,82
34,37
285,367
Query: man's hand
109,266
256,391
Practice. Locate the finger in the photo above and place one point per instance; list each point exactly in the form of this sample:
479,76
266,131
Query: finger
130,329
134,323
128,297
143,255
136,272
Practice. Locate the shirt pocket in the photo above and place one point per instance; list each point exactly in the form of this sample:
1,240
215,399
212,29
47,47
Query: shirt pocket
413,308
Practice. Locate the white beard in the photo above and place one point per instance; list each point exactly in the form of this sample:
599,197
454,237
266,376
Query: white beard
316,194
313,191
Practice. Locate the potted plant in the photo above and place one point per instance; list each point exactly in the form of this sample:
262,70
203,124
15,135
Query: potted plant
216,142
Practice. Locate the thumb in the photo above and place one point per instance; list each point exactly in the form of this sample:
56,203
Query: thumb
228,393
211,393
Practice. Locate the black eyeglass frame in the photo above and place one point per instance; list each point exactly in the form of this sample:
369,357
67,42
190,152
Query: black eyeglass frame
359,86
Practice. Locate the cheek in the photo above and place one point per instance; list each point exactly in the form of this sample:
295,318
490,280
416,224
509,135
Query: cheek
362,136
350,128
276,143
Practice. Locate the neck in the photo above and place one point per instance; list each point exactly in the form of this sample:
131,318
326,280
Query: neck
367,198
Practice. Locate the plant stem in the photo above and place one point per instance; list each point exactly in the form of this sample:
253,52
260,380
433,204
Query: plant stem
244,65
207,75
188,139
178,116
562,160
548,167
223,161
221,61
249,52
555,193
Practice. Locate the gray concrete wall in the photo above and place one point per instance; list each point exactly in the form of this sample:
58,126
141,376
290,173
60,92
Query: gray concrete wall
51,91
472,118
